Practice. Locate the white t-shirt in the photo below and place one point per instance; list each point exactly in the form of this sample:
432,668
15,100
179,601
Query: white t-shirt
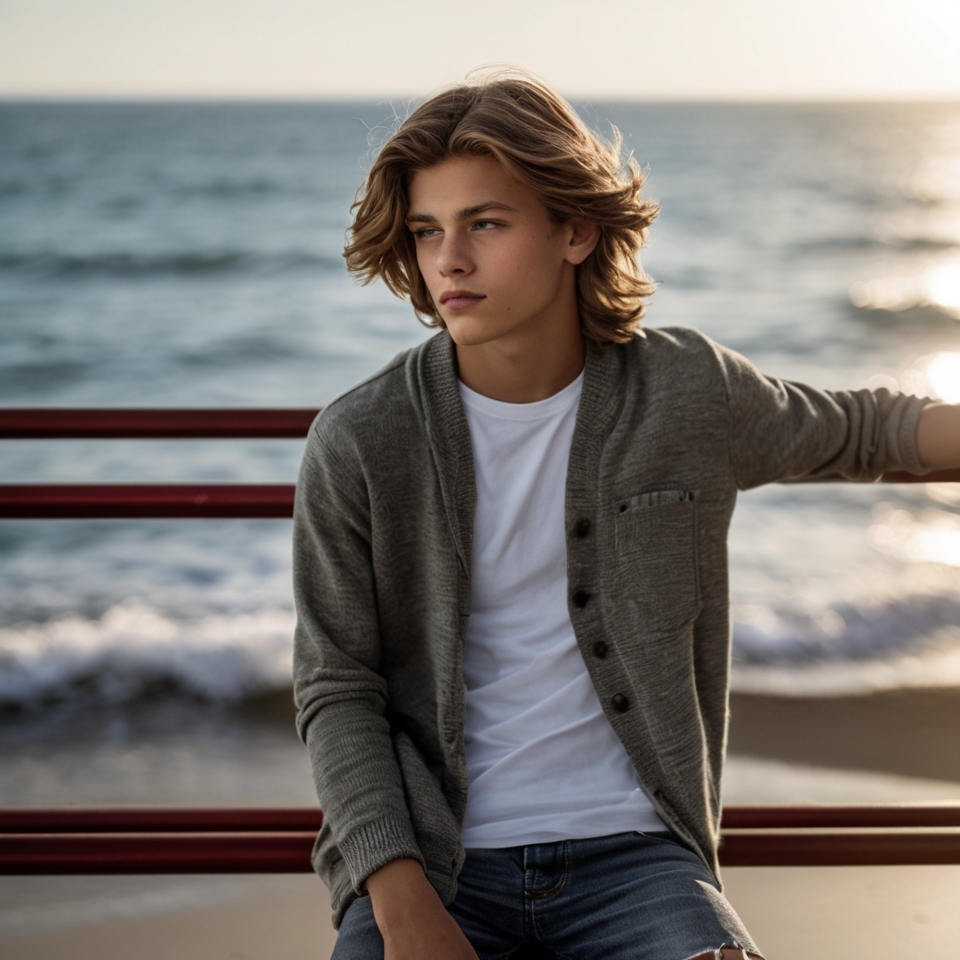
543,760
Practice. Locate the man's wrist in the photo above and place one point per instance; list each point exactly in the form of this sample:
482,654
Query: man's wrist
396,888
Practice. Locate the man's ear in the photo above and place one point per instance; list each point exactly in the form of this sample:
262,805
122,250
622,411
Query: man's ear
583,236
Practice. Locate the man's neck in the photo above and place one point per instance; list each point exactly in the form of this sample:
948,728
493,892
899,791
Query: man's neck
524,369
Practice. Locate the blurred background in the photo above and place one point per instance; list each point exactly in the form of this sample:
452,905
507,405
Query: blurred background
175,183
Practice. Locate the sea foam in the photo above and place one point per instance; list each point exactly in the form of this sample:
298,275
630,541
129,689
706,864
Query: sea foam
133,651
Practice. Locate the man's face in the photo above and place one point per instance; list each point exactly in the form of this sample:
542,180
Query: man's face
494,262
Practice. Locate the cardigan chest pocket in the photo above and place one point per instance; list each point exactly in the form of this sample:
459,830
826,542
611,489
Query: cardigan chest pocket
656,569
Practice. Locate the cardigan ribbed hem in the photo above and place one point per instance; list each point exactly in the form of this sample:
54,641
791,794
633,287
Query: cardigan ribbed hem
369,846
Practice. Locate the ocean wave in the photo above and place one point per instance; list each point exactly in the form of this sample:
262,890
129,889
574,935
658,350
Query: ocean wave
934,669
134,652
906,642
12,188
846,631
920,243
188,263
228,189
931,316
863,242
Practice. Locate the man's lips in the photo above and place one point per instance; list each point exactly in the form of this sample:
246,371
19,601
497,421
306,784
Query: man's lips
460,299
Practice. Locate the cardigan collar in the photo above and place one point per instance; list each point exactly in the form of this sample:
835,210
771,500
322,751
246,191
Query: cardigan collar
446,425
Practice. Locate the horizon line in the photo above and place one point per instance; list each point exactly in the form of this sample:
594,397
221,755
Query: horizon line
292,99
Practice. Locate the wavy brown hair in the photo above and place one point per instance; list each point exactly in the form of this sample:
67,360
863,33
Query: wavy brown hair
538,137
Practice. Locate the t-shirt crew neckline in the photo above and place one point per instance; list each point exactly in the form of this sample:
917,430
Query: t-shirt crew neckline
537,410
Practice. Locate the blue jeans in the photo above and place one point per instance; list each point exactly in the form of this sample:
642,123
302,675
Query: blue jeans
629,896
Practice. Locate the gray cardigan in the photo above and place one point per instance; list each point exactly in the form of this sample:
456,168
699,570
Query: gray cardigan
670,426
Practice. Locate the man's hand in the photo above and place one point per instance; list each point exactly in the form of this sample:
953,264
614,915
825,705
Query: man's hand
938,436
413,921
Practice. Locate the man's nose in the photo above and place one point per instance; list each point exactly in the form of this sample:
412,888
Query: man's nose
454,258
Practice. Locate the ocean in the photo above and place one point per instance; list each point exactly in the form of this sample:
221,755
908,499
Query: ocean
178,255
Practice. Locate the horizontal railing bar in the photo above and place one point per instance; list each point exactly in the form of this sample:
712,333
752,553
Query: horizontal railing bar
153,853
846,816
935,476
261,819
52,501
145,501
160,820
289,851
154,424
804,848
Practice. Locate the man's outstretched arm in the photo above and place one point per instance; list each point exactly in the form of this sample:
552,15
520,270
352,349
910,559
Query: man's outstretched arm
938,436
781,430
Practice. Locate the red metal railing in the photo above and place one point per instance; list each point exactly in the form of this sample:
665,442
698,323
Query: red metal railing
130,841
126,841
88,854
273,819
173,501
150,501
170,820
146,424
178,501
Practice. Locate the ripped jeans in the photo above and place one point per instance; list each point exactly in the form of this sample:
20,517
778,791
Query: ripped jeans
629,896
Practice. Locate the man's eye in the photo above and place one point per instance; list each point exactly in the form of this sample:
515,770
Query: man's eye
425,233
484,224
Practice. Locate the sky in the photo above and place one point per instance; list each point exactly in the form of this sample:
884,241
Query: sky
624,49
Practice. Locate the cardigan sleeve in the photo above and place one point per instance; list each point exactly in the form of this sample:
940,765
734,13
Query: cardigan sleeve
341,698
781,430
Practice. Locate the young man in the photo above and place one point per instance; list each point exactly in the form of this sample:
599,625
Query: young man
512,651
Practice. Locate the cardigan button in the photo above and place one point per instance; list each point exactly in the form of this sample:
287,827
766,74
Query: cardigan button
581,528
620,703
600,649
581,598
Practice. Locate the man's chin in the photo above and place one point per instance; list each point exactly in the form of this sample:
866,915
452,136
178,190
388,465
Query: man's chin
466,332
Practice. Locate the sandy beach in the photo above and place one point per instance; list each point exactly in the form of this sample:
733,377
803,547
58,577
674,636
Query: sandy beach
885,747
910,733
795,914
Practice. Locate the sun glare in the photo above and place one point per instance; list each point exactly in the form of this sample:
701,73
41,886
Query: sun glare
934,537
942,286
943,375
937,287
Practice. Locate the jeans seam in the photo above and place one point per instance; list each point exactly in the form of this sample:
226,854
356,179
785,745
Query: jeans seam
561,883
538,935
